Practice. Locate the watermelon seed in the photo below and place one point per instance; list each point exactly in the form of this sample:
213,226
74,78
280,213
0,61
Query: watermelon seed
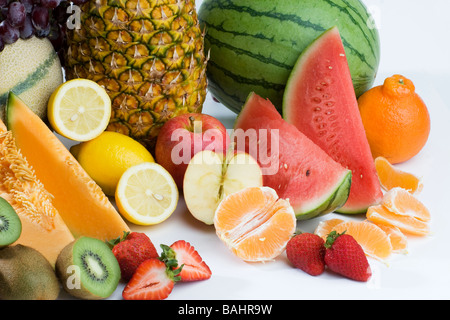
308,172
316,100
317,109
318,88
318,119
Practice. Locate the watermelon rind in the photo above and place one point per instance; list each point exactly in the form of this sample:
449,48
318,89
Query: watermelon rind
334,196
253,45
332,204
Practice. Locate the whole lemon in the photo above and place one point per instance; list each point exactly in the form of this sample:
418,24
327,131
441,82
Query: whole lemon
106,157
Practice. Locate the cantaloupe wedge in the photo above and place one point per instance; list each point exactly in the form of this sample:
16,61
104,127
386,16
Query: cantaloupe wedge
84,207
42,227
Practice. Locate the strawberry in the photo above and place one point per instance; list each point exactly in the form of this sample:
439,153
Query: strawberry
194,268
306,251
345,256
153,280
131,251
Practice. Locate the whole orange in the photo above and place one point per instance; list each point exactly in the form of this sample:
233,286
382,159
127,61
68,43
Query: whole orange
395,118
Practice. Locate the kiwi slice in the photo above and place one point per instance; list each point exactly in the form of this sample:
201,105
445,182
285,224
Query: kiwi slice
88,269
10,224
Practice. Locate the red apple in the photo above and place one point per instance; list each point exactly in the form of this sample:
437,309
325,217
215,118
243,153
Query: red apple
181,137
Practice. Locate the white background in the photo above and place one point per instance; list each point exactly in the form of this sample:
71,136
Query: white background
415,42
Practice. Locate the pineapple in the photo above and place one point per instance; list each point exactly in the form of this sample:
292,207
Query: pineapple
147,54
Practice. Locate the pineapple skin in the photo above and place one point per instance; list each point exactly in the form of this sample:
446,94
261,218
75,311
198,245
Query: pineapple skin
147,54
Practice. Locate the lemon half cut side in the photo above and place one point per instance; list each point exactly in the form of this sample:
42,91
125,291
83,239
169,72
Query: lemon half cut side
146,194
79,109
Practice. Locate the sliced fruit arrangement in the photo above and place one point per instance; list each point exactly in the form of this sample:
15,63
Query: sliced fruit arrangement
211,176
320,101
146,194
312,181
254,44
387,227
79,109
41,224
155,278
255,224
79,201
391,177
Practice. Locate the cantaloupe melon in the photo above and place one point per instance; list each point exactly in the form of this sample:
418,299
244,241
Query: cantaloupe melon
32,70
42,227
84,207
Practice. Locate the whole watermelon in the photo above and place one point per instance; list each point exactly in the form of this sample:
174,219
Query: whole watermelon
254,44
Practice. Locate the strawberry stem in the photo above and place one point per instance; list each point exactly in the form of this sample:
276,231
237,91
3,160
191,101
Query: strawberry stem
113,242
168,256
331,238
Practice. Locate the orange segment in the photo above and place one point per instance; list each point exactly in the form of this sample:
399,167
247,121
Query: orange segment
407,224
398,239
255,224
391,177
374,241
325,227
401,202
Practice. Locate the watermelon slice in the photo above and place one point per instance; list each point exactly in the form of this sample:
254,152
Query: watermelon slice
292,164
320,101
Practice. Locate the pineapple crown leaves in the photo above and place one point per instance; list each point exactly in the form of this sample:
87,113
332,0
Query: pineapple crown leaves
331,238
168,256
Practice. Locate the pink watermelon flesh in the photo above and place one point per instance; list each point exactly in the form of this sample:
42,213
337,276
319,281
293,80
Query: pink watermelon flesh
320,101
297,169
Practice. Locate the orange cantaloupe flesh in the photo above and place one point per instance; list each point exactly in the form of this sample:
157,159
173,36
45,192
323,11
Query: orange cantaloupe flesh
42,226
84,207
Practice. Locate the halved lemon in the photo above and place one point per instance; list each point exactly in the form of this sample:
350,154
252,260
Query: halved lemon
79,109
146,194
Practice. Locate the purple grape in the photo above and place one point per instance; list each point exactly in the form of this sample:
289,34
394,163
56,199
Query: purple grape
28,4
79,2
40,18
27,30
60,12
3,3
16,14
43,33
51,4
8,33
2,45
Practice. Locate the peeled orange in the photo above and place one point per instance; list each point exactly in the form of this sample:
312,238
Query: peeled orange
255,224
391,177
326,226
401,202
406,223
398,239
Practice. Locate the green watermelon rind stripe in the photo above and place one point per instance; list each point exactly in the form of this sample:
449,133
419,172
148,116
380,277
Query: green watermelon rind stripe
262,58
291,18
334,202
32,79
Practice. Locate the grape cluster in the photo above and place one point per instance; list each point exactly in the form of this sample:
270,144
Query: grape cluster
41,18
